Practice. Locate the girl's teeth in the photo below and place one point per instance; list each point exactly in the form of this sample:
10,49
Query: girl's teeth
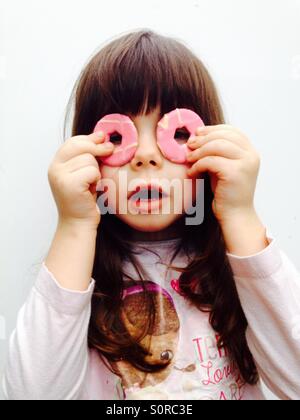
147,195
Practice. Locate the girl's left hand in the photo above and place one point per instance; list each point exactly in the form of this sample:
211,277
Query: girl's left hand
233,164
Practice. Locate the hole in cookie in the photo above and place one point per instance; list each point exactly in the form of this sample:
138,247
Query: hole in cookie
115,138
182,135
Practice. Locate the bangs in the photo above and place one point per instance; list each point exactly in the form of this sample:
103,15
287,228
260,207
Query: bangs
147,74
139,72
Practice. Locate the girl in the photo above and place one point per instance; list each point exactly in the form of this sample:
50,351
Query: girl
145,306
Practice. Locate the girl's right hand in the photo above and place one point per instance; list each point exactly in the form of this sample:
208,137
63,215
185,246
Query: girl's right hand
73,175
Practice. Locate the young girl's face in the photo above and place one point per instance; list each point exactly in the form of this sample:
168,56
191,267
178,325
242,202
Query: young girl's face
149,166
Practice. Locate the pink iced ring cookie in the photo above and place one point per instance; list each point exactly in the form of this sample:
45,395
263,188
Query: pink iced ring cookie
169,128
122,129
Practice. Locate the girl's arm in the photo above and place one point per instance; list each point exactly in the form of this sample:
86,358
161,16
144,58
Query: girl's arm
71,255
267,282
269,289
48,351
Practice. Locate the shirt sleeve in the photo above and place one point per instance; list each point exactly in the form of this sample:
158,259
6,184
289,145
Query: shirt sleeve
48,350
268,285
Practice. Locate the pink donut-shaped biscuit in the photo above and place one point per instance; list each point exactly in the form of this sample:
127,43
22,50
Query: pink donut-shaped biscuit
167,127
123,125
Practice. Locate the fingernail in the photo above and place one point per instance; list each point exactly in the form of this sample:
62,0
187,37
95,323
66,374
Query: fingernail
192,139
100,134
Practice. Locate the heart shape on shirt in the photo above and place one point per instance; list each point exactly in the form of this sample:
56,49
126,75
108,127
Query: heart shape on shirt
175,285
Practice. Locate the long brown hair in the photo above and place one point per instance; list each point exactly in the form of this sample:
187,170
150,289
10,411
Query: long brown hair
133,74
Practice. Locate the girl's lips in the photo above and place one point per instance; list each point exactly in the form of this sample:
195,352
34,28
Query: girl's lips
148,205
155,191
147,198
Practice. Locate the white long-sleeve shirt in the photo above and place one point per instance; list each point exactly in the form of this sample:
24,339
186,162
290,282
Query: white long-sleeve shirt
49,358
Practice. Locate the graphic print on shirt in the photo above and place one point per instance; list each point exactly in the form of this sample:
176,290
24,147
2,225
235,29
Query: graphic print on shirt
162,341
182,338
215,376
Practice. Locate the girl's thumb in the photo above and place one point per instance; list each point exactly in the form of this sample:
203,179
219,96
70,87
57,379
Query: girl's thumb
98,137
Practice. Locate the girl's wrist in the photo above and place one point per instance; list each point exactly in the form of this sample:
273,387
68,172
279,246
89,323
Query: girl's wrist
77,226
244,233
71,255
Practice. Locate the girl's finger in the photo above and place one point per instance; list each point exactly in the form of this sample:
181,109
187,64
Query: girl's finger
81,161
86,177
211,128
78,146
218,147
219,134
97,137
214,164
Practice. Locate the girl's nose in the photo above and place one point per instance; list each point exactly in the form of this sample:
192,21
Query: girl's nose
147,154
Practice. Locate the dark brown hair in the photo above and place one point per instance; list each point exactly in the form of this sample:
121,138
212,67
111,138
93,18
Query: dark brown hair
133,74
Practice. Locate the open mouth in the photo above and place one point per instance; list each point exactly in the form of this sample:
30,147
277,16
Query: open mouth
147,194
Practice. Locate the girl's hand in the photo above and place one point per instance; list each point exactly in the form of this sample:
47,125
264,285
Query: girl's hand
233,164
73,176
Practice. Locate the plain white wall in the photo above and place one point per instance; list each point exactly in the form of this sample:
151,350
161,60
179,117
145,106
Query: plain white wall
252,49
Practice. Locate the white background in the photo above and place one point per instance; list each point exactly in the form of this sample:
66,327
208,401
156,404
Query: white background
252,49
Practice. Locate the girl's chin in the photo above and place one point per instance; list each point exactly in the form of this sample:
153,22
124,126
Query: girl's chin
148,222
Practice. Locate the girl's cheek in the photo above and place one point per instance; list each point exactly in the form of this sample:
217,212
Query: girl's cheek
106,171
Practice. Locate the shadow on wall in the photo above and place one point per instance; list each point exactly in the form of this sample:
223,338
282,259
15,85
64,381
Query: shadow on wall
2,328
3,337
